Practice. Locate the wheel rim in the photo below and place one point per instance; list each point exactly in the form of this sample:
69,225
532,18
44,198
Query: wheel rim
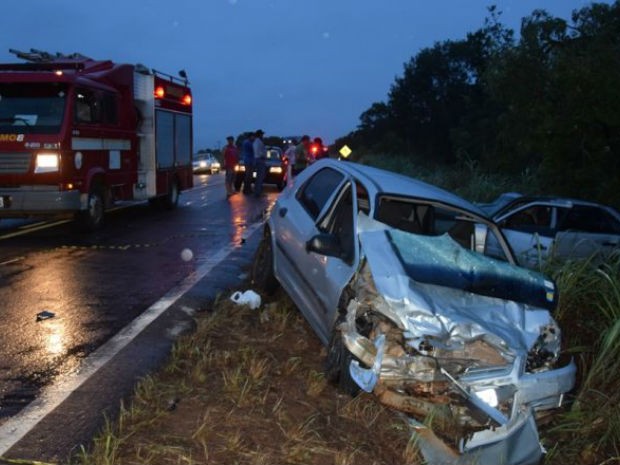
174,193
95,208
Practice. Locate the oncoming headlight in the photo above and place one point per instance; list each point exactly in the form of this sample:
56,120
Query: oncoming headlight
46,162
240,168
275,169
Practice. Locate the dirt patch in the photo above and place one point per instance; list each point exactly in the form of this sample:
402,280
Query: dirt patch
248,387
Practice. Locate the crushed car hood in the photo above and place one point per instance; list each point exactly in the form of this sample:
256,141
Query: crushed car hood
436,287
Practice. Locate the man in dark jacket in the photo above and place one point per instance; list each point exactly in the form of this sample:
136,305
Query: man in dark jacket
247,154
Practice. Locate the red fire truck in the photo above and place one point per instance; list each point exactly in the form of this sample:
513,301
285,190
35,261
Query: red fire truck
78,134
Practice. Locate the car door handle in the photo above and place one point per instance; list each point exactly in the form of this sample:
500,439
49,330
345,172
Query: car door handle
282,212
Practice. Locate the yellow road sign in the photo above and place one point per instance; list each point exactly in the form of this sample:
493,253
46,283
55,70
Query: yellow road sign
345,151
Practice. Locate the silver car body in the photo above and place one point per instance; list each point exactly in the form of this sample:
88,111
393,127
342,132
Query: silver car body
561,229
456,335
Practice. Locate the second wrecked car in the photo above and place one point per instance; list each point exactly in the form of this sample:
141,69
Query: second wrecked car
395,278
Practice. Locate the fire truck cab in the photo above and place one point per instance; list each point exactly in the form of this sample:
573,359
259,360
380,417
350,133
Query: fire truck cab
77,135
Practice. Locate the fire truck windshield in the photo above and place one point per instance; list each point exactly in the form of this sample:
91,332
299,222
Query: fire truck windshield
32,108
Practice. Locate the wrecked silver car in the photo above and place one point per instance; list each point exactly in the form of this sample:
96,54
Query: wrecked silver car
396,278
543,228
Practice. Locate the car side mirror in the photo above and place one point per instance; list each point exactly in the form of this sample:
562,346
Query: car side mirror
325,244
480,237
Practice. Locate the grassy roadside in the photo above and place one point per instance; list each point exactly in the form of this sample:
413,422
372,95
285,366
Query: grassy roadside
247,387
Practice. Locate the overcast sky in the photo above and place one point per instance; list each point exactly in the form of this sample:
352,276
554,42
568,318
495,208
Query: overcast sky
285,66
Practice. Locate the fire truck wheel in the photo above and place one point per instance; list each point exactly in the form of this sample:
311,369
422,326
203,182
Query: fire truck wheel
92,218
172,197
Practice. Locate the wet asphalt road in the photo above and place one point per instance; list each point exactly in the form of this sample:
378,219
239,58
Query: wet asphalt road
90,286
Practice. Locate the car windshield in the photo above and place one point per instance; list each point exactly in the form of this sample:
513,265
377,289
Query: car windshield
442,261
274,154
32,108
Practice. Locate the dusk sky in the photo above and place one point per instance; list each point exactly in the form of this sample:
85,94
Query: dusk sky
288,67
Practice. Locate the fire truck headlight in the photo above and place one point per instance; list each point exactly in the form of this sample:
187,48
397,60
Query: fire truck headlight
46,163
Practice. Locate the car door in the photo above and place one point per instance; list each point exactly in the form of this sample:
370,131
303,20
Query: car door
529,231
296,218
586,231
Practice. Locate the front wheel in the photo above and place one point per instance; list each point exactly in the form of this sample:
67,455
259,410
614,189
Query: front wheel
337,365
171,199
91,219
262,267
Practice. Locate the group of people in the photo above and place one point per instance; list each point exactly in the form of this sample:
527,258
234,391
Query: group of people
254,155
302,154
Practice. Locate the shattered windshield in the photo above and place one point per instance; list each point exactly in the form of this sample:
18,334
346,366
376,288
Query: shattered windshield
442,261
32,108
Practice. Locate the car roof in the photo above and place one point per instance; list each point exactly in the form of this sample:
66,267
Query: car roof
566,202
388,182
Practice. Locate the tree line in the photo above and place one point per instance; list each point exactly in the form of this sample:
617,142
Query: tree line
546,103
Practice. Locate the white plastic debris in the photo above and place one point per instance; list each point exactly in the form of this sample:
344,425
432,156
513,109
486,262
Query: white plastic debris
187,255
249,298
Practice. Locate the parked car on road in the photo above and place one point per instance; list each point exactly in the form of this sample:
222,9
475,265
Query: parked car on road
206,163
276,169
395,278
543,228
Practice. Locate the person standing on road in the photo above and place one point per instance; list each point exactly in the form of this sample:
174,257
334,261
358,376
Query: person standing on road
320,149
289,155
260,160
231,160
302,154
247,152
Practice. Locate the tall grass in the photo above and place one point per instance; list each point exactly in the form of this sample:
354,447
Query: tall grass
589,313
465,178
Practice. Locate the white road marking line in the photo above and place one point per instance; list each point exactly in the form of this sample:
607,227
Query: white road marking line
15,428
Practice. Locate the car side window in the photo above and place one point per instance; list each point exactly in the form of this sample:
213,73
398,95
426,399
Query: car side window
340,223
318,189
407,216
589,219
536,218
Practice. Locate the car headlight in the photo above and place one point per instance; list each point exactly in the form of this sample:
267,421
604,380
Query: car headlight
203,164
46,162
240,168
275,169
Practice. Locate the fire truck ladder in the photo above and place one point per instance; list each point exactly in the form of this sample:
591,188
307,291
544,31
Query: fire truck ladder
40,56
